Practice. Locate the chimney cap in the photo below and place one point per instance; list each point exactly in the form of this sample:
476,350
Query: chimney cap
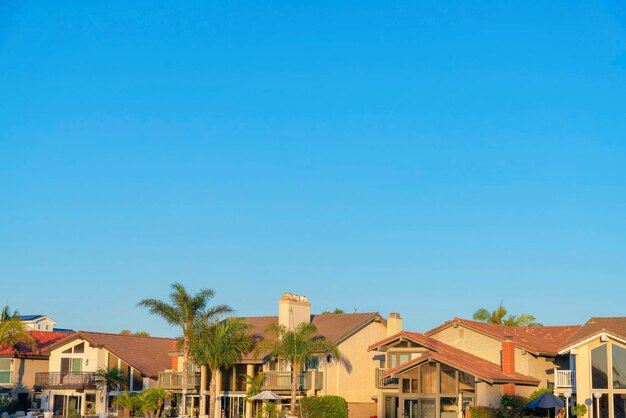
394,315
294,297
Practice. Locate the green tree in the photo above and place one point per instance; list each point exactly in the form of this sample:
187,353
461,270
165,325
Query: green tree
183,310
254,384
127,401
136,333
297,347
107,379
499,316
335,311
219,345
152,400
12,331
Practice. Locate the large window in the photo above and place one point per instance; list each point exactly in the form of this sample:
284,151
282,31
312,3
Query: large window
428,376
619,367
448,379
6,375
396,359
599,368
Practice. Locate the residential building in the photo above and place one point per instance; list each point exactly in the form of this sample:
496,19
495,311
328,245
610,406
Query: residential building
69,386
461,363
351,379
37,322
18,366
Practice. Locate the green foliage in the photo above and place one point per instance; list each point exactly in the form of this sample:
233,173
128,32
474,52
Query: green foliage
512,406
499,316
580,410
8,405
538,393
268,410
336,311
128,401
150,401
484,412
12,331
254,384
110,378
323,407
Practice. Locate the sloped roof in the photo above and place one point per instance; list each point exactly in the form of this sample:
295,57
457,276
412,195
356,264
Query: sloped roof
456,358
29,317
149,355
43,340
334,327
597,325
545,340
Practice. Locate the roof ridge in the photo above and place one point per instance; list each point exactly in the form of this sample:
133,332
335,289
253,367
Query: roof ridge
122,335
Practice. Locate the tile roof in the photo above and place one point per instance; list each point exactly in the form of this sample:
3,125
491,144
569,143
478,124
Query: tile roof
149,355
334,327
43,339
545,340
454,357
596,325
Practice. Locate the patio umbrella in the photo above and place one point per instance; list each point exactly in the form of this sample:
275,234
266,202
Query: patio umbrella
546,401
266,395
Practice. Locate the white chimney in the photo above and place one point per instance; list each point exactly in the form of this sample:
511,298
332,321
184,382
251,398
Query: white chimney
293,310
394,324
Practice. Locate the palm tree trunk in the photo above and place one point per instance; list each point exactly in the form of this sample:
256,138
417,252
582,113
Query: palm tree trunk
185,373
294,388
212,394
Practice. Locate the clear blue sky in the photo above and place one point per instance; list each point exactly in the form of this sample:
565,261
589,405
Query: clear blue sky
428,158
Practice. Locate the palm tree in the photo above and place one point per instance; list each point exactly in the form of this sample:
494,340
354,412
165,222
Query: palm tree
219,345
109,378
183,310
254,384
136,333
297,347
153,400
12,331
499,316
126,400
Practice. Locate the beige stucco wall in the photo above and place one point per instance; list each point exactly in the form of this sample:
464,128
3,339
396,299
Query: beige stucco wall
24,372
488,395
359,384
93,358
541,368
471,341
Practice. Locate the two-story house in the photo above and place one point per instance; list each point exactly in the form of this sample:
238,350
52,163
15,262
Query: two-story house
69,387
352,333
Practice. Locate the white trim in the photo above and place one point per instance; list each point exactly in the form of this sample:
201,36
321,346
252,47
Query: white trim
601,334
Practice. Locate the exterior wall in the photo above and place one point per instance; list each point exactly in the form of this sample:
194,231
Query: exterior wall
541,368
92,357
40,324
471,341
361,410
24,373
488,395
358,385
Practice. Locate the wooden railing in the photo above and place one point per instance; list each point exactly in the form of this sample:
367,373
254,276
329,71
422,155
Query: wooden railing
69,380
174,380
564,378
281,381
385,382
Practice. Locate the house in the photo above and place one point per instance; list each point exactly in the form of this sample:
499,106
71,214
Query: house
37,322
18,366
462,363
69,387
352,333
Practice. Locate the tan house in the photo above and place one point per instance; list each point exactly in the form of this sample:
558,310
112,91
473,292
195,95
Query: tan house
353,333
69,387
18,366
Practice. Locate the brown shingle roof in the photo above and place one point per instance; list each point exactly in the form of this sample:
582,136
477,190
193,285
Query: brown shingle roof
539,340
596,325
149,355
454,357
334,327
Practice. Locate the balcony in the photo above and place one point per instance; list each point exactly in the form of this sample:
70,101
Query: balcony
564,379
385,382
174,380
81,380
281,381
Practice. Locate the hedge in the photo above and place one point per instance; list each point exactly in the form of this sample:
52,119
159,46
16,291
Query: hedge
324,407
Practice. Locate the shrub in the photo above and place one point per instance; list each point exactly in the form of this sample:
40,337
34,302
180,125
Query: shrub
484,412
512,406
580,410
8,405
538,393
324,407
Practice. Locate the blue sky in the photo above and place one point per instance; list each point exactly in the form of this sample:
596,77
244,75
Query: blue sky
428,158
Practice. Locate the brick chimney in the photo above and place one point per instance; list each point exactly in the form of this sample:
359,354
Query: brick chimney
174,355
508,363
293,310
394,324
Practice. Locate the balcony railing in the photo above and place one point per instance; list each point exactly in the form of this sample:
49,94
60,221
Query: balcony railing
564,379
174,380
281,381
65,380
385,382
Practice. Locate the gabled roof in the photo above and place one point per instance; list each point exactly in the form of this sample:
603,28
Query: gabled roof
541,340
43,340
149,355
29,317
615,326
334,327
459,359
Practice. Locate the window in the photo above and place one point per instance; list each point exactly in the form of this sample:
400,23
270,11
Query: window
619,367
428,375
466,382
599,368
396,359
6,368
448,379
449,407
80,348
